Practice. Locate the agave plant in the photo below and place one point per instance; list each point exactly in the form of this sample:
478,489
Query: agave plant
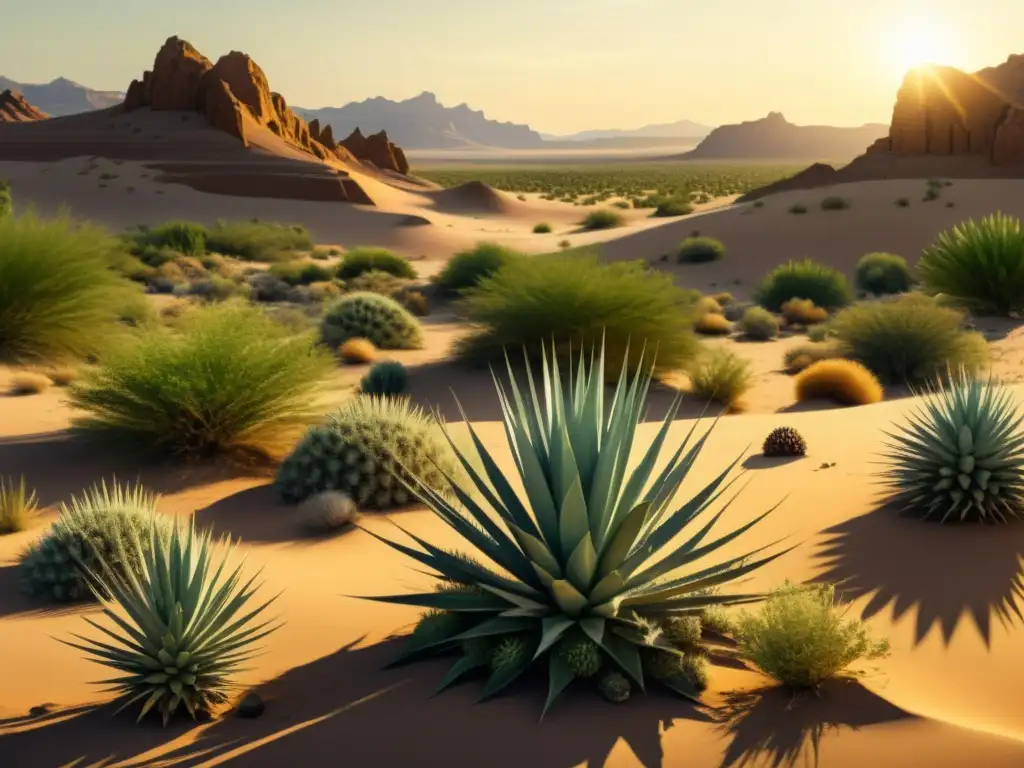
591,572
961,455
182,628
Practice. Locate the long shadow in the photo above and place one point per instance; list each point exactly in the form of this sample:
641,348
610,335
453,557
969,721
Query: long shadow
254,515
944,571
14,602
771,727
345,709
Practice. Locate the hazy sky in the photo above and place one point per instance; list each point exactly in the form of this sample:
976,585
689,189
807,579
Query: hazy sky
559,65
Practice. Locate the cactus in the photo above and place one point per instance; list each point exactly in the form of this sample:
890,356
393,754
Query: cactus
100,524
615,687
386,378
784,441
582,655
366,449
378,318
328,511
509,654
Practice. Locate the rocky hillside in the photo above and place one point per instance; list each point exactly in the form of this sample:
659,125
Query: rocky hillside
235,97
15,108
62,96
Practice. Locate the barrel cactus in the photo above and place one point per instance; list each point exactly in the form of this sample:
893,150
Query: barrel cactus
101,524
960,457
363,450
372,316
784,441
385,378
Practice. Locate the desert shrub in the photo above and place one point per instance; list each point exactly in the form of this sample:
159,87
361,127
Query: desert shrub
564,243
819,332
803,355
214,288
320,291
907,341
979,264
416,303
736,310
712,324
186,237
844,381
759,324
360,260
696,250
673,206
883,273
229,379
798,208
801,638
803,311
576,299
385,378
265,287
28,383
709,305
468,268
300,272
930,194
6,200
358,351
724,298
17,505
59,293
383,283
372,316
721,376
258,240
903,202
806,279
834,203
542,228
104,522
603,220
367,448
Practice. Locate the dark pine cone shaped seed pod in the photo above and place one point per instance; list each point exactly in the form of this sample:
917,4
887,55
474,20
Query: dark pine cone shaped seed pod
784,441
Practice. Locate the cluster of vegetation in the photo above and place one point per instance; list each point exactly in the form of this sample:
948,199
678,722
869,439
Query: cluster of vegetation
6,201
467,268
670,186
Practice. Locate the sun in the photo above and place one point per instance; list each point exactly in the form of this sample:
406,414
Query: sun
913,44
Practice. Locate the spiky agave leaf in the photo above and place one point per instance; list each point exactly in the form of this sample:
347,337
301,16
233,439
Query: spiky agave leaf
588,547
959,456
180,629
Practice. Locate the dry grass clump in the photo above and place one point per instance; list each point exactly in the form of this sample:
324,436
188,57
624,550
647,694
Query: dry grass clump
758,324
17,505
721,376
713,324
843,381
708,304
803,312
357,351
29,383
803,355
724,298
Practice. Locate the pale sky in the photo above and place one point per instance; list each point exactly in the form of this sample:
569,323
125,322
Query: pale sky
558,65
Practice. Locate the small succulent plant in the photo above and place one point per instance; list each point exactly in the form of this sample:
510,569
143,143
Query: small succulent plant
615,687
960,457
385,378
784,441
371,316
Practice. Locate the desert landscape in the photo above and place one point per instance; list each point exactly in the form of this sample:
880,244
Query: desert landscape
266,431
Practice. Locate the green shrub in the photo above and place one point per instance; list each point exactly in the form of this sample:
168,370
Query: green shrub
185,237
542,229
367,449
834,203
6,200
17,506
959,458
798,208
384,378
586,542
300,272
802,640
360,260
229,379
825,286
907,341
59,293
932,193
258,240
101,523
883,273
978,264
577,299
603,220
187,614
468,268
364,315
721,376
759,324
673,206
700,249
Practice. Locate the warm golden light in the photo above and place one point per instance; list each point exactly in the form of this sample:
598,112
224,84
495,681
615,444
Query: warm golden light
916,43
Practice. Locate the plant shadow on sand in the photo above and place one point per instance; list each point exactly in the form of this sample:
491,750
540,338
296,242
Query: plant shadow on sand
772,727
944,571
345,709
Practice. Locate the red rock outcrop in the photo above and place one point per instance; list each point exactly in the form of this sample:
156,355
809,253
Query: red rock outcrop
15,108
235,97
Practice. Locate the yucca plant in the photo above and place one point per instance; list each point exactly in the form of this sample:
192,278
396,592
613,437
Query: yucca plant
960,457
592,574
183,626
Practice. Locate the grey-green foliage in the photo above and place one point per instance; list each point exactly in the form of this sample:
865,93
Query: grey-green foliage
363,450
101,523
960,456
371,316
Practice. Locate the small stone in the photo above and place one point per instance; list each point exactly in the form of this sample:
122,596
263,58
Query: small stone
251,706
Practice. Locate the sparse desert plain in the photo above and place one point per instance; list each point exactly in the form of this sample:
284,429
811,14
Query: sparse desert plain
217,319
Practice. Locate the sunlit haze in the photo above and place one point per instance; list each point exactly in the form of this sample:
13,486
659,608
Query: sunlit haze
559,65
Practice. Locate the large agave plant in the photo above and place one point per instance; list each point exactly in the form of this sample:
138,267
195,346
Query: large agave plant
592,574
181,629
960,456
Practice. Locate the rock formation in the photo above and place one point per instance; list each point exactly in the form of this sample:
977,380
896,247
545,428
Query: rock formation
14,108
235,97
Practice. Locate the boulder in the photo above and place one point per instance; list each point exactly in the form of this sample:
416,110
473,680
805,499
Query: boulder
15,108
377,149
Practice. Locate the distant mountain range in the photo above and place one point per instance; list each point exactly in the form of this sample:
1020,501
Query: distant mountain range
681,129
775,138
62,96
